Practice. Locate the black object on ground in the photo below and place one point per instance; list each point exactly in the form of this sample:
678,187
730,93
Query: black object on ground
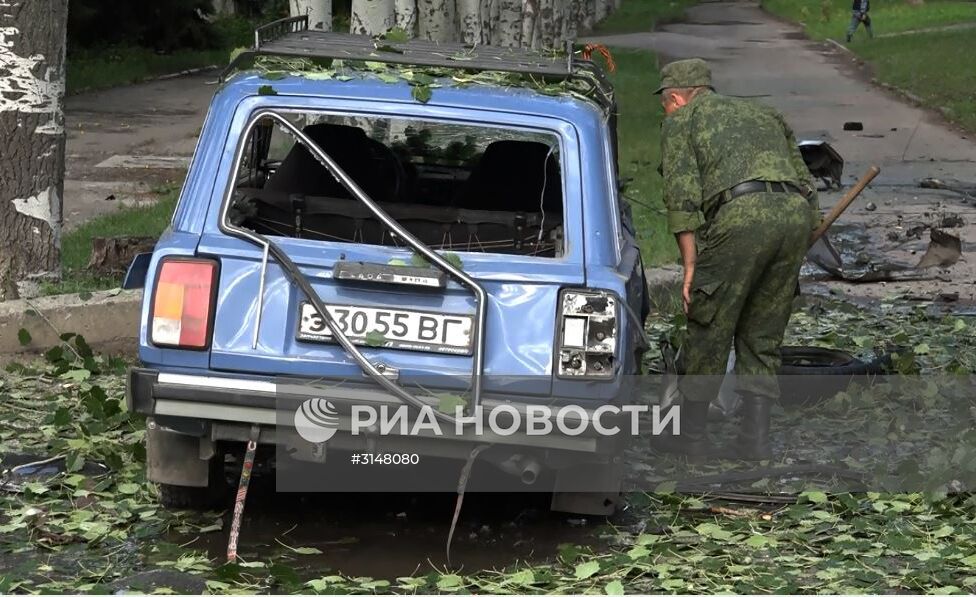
853,126
835,368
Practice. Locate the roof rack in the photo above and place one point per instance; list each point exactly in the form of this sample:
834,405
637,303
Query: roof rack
292,37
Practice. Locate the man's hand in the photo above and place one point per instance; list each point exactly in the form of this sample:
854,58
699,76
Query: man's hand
686,290
686,244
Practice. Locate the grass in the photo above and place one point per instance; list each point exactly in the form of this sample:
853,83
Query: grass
639,122
130,221
928,64
641,15
830,18
89,70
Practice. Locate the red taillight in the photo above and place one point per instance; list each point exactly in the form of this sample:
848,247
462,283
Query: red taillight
182,303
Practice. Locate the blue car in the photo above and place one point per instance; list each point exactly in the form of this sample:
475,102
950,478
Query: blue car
396,224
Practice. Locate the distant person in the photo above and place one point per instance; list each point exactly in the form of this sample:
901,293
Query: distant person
860,15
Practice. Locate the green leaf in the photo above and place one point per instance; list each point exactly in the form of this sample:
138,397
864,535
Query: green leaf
586,569
614,588
23,336
267,90
396,35
62,416
306,551
449,403
969,561
274,75
129,488
922,348
666,488
85,295
713,531
78,375
522,577
421,93
388,48
375,339
757,541
74,462
449,581
815,497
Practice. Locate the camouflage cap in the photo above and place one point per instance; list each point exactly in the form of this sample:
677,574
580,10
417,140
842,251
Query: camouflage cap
693,72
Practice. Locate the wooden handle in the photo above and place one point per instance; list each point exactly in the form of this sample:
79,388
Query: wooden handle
845,202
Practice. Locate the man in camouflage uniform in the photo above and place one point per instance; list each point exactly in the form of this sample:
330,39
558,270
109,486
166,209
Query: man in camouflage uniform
742,204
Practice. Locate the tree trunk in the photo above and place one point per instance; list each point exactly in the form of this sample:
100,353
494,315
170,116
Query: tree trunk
224,7
587,14
32,45
474,21
530,24
552,17
406,16
507,31
572,20
602,10
372,17
319,12
436,19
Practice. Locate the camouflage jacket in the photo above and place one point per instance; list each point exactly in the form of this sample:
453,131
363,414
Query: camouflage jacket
714,143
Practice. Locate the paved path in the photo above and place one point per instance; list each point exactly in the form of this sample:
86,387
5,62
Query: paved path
956,27
814,85
148,120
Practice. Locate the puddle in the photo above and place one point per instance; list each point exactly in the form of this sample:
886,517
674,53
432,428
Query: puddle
385,535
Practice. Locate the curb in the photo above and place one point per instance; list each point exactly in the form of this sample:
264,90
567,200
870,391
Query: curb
103,317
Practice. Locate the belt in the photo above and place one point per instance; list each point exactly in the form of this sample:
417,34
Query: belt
758,186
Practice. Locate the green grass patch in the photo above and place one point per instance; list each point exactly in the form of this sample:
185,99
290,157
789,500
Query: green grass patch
641,15
127,221
638,128
830,18
89,70
929,65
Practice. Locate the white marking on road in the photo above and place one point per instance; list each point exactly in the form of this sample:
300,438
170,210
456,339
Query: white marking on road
146,161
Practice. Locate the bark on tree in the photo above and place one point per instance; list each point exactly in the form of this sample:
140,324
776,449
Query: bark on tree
319,12
436,20
507,31
587,14
372,17
224,7
32,46
470,26
602,10
406,16
530,24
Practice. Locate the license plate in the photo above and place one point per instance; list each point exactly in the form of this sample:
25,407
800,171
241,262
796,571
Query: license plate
390,328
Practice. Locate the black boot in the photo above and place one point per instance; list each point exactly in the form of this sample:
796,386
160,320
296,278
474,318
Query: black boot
753,441
692,438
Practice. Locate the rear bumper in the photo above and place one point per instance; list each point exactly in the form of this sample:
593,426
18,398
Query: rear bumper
225,408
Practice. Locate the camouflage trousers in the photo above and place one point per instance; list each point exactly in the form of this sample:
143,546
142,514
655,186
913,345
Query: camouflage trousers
748,262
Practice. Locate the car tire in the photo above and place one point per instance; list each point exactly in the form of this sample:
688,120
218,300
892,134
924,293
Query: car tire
835,370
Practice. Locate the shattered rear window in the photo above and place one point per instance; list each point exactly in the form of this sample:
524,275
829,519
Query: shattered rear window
455,187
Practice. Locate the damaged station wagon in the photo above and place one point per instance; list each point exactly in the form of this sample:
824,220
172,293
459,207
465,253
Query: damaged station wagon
389,223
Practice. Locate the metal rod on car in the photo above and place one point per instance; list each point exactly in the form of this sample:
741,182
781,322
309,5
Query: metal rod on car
845,202
245,482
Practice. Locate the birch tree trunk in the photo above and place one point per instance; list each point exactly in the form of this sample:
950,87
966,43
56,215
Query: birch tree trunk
602,10
507,31
319,12
406,16
530,24
587,15
224,7
572,19
436,20
32,46
469,21
372,17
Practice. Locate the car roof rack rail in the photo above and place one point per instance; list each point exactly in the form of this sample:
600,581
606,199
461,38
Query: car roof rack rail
292,37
